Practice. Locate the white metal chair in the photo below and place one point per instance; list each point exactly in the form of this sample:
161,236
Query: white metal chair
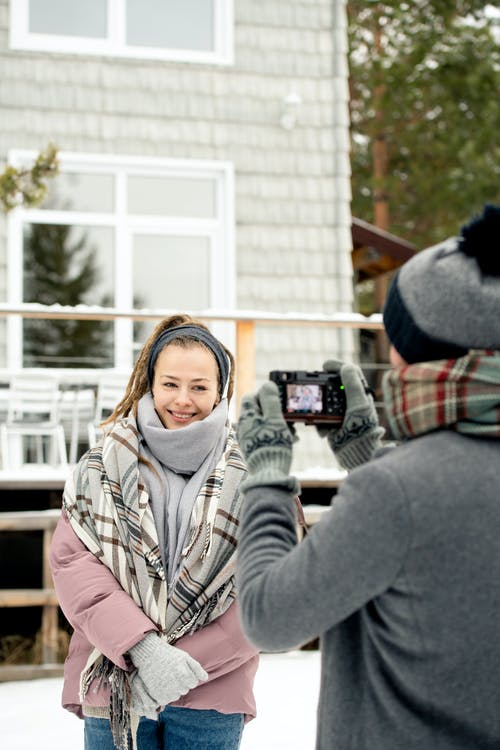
77,409
33,413
110,390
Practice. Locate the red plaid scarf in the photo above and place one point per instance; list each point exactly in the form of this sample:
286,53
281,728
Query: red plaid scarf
457,394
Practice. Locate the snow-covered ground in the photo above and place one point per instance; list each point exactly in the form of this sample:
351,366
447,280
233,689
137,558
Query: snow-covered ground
286,688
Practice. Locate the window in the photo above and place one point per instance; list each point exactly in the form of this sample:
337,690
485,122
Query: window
118,232
185,30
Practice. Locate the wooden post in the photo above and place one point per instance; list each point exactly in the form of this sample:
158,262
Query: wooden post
245,360
49,629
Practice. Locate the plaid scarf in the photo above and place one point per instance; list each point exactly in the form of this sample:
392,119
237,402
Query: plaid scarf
108,508
457,394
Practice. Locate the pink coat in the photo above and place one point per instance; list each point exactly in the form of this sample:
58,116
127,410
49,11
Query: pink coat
106,617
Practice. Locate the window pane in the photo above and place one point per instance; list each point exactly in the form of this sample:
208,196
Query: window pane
68,265
174,24
68,17
72,191
175,196
170,272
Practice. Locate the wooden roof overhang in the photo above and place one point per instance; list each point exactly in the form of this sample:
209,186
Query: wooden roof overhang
375,251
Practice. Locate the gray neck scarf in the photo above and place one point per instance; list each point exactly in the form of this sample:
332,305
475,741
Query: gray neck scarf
183,460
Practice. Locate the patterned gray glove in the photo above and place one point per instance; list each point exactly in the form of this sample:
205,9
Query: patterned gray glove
266,441
360,434
167,672
141,703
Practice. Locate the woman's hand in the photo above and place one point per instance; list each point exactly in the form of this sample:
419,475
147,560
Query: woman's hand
141,702
166,672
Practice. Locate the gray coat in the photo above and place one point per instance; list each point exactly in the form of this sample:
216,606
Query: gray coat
401,579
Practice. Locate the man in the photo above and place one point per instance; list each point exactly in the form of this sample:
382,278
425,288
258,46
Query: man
401,578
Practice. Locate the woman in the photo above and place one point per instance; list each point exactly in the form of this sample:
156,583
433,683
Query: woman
143,558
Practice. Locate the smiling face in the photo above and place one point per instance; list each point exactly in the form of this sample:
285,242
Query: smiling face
185,386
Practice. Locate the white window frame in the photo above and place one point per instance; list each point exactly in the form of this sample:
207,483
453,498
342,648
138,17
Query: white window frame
115,45
219,230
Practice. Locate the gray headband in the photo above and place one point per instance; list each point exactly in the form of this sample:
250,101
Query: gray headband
197,333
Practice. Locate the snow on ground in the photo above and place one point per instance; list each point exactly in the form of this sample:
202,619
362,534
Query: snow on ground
286,689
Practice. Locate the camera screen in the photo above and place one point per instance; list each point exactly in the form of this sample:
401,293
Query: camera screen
307,399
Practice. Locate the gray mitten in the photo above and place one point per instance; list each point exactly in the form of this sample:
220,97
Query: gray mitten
266,441
360,434
167,672
141,703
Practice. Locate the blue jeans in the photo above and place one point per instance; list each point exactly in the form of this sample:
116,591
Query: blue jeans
176,729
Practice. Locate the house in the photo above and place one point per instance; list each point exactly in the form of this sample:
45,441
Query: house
204,155
204,165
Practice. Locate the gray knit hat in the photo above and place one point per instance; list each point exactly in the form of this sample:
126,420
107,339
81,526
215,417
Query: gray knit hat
446,299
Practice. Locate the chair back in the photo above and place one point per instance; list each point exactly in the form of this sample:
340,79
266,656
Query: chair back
32,432
33,399
110,390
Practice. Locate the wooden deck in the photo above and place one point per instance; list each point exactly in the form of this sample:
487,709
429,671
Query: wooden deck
45,597
38,479
33,478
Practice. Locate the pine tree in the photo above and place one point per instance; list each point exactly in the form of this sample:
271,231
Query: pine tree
425,78
58,270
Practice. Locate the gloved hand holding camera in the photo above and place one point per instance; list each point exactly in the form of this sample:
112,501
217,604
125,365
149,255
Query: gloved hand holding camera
266,441
360,434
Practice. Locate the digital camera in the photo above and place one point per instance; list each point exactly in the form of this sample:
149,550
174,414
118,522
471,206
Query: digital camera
312,397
